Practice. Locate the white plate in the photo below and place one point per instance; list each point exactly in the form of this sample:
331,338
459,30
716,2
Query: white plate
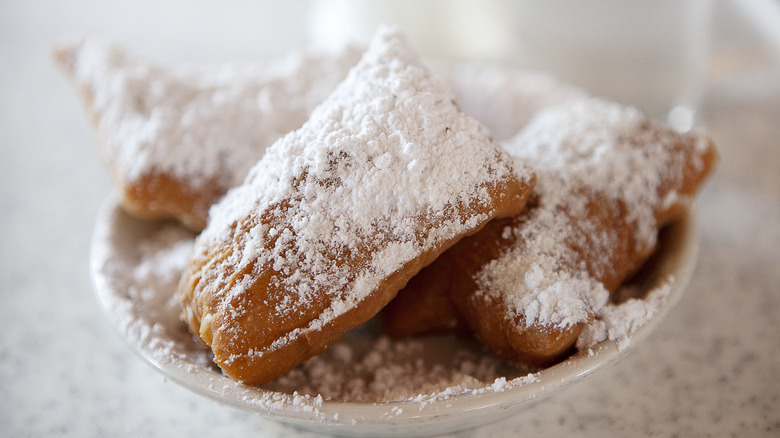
137,297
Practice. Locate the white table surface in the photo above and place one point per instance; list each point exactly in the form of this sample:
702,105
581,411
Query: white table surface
712,368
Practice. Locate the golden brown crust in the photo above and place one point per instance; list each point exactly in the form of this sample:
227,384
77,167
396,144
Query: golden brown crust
278,341
454,275
162,196
153,195
386,175
442,299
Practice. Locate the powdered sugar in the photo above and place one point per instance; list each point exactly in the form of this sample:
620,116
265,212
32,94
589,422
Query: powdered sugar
608,148
363,368
381,168
547,294
617,322
137,287
202,125
139,273
584,151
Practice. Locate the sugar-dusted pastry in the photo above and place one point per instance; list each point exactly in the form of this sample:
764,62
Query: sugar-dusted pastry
607,180
175,139
337,216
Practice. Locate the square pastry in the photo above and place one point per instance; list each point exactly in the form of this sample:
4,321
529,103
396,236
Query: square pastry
385,175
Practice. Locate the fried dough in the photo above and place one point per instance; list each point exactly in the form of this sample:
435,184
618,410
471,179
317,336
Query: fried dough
337,216
175,139
608,179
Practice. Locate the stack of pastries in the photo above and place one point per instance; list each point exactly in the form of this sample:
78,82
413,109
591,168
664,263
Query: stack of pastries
332,188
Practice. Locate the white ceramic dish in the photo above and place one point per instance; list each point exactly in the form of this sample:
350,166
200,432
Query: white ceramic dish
145,316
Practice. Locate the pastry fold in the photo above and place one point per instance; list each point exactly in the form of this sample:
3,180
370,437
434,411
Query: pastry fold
338,215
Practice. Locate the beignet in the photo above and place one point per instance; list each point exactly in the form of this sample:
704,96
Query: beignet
175,139
608,179
337,216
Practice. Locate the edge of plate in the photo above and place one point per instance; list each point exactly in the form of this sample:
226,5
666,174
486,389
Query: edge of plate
439,414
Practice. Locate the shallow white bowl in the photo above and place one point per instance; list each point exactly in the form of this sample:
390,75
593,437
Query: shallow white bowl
146,319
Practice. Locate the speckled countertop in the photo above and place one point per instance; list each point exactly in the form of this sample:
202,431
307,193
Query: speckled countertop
710,369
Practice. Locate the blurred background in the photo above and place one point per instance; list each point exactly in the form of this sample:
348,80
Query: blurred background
655,55
710,64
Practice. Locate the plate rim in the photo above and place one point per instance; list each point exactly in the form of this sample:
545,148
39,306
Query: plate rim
337,414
